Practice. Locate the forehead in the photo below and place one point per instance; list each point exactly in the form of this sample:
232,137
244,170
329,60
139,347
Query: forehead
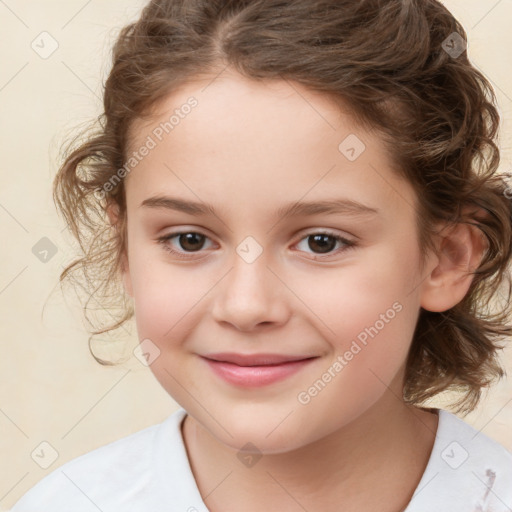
251,139
231,101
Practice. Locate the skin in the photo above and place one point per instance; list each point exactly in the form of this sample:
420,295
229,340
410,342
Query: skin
249,148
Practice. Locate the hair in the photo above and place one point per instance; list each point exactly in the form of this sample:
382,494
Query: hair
389,61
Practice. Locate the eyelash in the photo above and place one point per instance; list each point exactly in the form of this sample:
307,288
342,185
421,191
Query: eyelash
349,244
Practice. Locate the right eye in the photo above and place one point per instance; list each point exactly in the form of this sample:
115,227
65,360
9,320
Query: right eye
190,241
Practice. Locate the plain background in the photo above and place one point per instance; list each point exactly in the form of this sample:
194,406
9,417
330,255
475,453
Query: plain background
52,389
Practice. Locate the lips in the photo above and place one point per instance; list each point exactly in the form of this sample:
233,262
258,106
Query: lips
255,370
255,359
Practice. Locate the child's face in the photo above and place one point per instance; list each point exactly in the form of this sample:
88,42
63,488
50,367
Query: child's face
249,150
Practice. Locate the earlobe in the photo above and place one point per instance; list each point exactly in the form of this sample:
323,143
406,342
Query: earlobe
112,210
460,252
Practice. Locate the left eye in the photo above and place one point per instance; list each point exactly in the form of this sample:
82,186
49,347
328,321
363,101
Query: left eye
326,242
192,242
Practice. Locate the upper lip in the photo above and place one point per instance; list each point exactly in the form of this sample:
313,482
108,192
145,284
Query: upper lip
254,359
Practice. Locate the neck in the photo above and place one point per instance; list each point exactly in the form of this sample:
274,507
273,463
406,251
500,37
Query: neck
384,450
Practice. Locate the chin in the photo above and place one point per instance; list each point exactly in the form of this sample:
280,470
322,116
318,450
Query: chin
268,433
260,443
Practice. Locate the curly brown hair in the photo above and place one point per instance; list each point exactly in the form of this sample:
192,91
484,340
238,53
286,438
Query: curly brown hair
400,65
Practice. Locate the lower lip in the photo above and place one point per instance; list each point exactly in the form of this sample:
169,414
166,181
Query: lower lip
256,376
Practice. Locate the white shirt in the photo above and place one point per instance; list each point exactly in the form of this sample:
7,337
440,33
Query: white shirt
149,471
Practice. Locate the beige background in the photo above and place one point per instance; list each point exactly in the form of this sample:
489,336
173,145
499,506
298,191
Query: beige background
52,390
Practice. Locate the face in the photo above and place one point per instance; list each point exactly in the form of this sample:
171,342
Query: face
337,283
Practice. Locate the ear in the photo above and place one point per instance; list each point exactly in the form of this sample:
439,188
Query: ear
460,251
112,210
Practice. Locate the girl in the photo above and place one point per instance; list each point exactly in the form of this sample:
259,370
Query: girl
335,165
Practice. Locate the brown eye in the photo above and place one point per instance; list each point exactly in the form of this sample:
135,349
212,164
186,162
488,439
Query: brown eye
321,243
325,243
184,244
191,241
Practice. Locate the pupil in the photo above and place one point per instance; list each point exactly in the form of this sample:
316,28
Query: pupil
190,238
320,240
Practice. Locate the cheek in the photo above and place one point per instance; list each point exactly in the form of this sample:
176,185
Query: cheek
167,309
165,302
367,310
363,289
370,328
164,295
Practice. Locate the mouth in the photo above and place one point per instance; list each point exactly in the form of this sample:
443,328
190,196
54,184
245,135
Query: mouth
255,370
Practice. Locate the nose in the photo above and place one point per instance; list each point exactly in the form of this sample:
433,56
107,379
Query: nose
251,297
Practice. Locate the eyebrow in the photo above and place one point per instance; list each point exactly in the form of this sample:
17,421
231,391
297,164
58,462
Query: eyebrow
341,206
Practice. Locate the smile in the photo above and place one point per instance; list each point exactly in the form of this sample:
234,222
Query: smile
256,375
